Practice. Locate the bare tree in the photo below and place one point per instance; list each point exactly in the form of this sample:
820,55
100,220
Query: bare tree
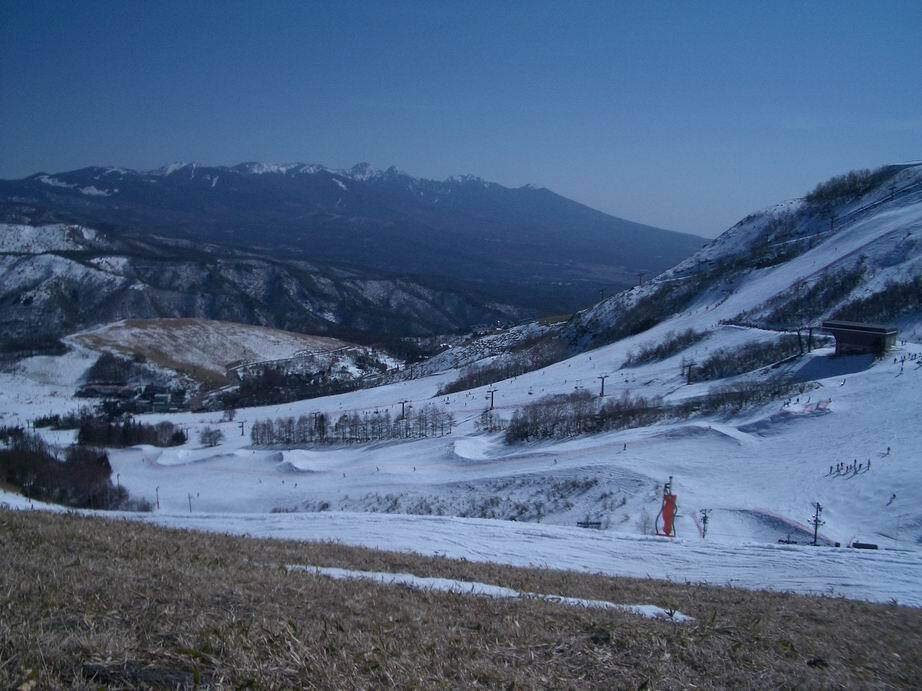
209,436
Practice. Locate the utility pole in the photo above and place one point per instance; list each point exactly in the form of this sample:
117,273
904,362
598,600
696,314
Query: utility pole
242,424
157,494
603,377
403,408
705,513
816,522
687,371
491,392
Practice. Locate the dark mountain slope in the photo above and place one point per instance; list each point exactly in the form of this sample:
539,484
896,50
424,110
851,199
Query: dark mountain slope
527,246
57,279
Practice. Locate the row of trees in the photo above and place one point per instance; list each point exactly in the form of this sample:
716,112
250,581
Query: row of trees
27,345
271,386
507,366
430,420
490,421
71,420
807,302
728,362
79,478
671,344
581,413
102,432
850,185
885,305
578,413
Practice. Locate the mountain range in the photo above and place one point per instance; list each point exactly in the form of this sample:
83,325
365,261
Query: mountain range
527,246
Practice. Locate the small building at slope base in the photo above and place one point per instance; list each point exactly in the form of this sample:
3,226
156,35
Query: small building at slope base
859,338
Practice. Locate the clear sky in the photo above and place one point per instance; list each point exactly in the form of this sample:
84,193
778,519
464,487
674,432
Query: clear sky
685,115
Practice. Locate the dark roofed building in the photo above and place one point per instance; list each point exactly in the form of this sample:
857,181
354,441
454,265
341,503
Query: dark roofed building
858,338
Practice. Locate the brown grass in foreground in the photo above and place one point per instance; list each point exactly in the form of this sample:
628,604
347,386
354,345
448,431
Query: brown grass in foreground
86,602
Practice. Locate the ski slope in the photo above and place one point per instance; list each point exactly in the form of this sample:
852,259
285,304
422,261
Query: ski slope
469,494
759,474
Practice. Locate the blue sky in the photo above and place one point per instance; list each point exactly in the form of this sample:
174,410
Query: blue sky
686,115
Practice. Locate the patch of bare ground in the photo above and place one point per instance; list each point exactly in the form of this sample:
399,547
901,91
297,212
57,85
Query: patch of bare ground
88,602
176,343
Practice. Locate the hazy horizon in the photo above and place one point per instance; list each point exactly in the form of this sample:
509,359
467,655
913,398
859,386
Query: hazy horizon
682,117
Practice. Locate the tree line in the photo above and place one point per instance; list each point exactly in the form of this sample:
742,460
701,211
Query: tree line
79,477
851,185
534,357
894,300
567,415
430,420
728,362
671,344
129,432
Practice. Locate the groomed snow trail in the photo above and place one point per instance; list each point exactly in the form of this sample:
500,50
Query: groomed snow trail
878,576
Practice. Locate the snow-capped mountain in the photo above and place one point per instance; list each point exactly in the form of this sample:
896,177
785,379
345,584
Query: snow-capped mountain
57,279
525,246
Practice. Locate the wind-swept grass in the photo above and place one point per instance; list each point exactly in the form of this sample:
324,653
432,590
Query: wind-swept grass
86,602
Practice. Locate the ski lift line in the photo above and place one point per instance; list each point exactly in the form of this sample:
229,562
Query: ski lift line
845,218
802,238
850,216
903,191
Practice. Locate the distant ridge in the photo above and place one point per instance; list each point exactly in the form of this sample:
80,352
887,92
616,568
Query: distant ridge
525,246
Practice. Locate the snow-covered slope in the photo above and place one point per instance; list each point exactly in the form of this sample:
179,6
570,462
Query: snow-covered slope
57,279
51,238
789,266
758,469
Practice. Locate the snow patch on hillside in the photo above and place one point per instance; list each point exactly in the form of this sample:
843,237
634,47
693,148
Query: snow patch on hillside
93,191
54,182
475,588
40,239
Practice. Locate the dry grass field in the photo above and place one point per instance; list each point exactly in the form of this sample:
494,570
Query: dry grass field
89,603
201,348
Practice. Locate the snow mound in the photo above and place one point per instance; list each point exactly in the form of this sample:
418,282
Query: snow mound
289,467
474,448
